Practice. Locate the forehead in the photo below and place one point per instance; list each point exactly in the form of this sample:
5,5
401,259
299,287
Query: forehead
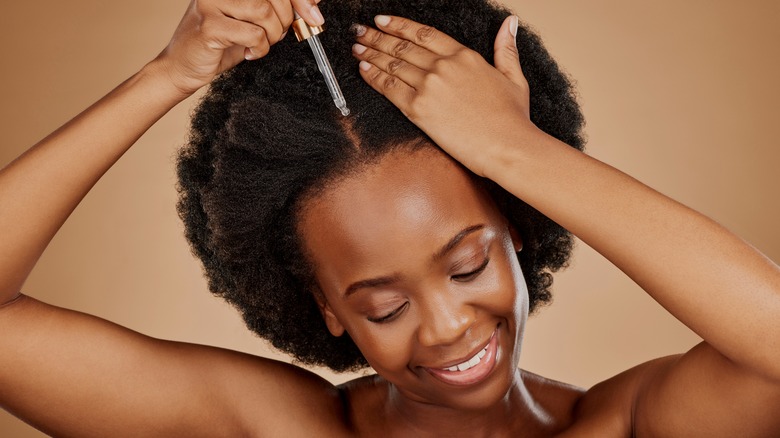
393,212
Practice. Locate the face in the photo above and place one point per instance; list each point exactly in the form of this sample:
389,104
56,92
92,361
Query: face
417,264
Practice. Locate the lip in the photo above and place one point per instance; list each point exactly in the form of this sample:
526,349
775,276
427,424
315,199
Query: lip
473,375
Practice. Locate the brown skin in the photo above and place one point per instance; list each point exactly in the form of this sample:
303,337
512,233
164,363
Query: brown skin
392,220
712,281
76,375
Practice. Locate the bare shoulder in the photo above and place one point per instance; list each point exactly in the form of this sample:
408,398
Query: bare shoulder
364,403
607,409
300,402
698,393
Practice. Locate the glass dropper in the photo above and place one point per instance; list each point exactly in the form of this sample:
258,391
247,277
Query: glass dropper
310,33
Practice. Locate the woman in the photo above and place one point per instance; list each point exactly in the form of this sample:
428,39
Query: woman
429,284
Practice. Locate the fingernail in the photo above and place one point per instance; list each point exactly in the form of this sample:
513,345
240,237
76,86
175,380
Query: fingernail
319,20
358,48
248,55
513,25
382,20
283,35
358,29
365,66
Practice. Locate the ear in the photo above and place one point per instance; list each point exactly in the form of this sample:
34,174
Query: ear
517,241
331,321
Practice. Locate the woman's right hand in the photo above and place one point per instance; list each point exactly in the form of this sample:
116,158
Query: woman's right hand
215,35
70,374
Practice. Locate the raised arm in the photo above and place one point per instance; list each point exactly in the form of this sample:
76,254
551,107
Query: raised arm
712,281
71,374
41,188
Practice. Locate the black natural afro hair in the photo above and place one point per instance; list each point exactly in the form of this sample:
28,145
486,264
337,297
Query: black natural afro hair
267,134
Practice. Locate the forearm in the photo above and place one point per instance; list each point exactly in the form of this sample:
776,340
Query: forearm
40,189
712,281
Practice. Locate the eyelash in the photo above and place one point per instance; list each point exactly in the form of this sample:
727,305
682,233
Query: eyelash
390,316
468,276
459,277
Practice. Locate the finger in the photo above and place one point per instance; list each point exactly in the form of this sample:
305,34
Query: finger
284,12
506,57
392,87
424,36
408,73
224,33
258,12
394,46
309,11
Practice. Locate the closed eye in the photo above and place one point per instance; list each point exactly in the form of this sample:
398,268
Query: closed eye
469,276
390,316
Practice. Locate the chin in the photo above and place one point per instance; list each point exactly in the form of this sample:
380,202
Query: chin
478,388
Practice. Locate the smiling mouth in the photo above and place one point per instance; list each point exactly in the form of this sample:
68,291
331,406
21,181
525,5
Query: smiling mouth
473,370
471,362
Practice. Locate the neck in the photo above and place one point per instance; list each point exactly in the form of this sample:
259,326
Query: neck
517,410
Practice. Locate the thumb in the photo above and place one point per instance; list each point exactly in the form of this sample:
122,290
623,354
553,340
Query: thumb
506,57
309,11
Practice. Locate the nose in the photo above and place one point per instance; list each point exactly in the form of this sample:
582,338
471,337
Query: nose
444,320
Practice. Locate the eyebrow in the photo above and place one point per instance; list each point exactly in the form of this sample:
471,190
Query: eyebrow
390,279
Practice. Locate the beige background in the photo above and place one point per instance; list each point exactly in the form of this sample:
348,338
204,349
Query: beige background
682,95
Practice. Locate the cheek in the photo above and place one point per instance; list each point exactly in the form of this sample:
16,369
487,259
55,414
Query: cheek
386,347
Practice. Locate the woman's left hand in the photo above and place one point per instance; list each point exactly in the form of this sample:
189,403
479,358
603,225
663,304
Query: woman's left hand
470,108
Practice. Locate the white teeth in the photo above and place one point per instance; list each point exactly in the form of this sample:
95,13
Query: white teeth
469,363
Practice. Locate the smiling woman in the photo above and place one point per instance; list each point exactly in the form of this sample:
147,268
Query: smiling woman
259,140
408,237
449,282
